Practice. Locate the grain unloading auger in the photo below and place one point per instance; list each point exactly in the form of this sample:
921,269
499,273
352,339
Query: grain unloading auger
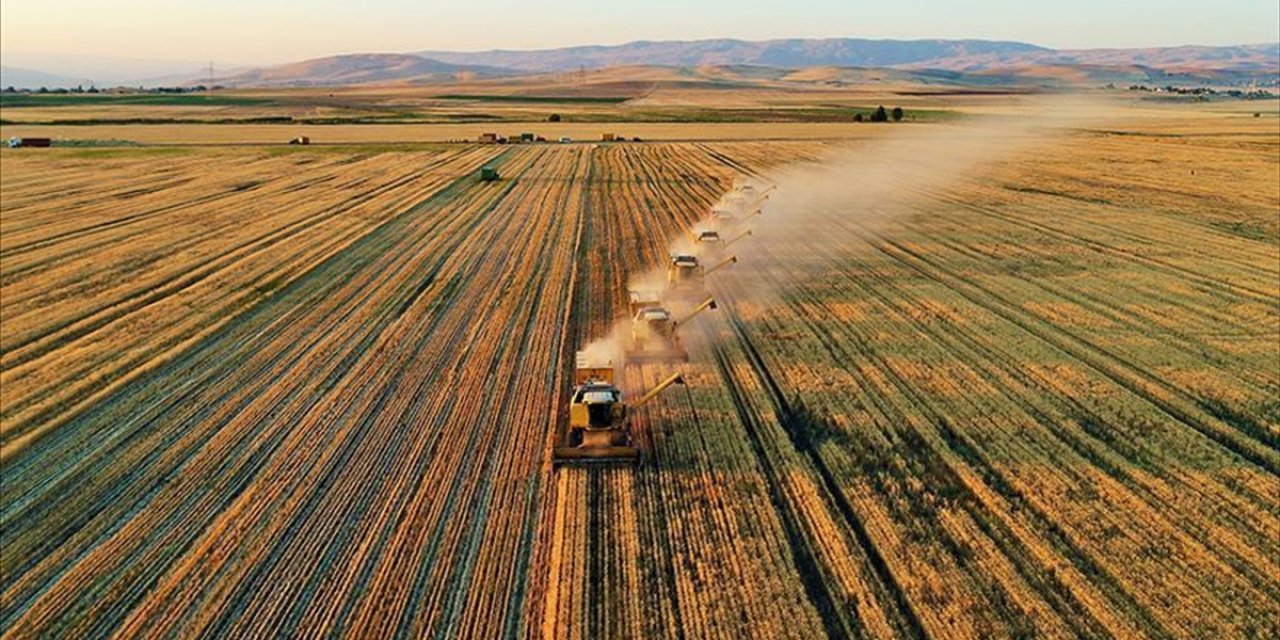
736,238
655,337
598,431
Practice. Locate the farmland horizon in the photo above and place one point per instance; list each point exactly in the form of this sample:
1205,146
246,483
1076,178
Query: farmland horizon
32,69
152,29
36,53
693,337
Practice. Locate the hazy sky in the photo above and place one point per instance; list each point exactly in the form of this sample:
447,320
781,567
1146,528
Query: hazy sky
265,31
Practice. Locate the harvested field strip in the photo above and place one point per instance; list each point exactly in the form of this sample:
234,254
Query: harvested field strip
828,341
1188,323
476,238
1206,324
1200,535
1198,181
892,414
124,330
1258,274
1168,398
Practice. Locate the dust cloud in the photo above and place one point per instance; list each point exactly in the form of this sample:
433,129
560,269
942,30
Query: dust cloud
804,215
608,350
820,210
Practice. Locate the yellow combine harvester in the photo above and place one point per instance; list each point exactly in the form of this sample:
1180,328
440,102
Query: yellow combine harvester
711,242
708,238
598,431
654,336
686,276
728,220
745,198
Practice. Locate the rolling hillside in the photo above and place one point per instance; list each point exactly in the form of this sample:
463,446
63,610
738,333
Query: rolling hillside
981,62
360,69
30,78
775,53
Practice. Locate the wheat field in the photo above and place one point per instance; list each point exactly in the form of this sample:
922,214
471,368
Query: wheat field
313,393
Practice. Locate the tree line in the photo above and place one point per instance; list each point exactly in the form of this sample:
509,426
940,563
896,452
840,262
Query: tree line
881,115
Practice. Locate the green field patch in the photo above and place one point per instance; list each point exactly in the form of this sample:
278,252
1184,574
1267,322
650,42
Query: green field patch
89,122
820,114
535,99
18,100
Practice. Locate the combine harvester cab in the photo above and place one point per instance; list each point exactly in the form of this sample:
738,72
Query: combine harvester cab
707,237
642,299
708,241
685,272
654,339
598,432
655,334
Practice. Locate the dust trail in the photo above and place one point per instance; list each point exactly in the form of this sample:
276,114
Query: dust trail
819,208
800,214
609,349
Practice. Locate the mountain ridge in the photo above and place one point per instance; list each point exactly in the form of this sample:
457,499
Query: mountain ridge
360,68
1020,61
786,52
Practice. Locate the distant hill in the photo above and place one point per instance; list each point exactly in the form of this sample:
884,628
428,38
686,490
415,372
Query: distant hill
31,79
723,62
103,71
789,53
1234,61
980,61
360,69
1261,58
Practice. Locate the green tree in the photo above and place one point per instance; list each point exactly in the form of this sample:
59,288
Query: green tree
555,117
897,114
880,115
